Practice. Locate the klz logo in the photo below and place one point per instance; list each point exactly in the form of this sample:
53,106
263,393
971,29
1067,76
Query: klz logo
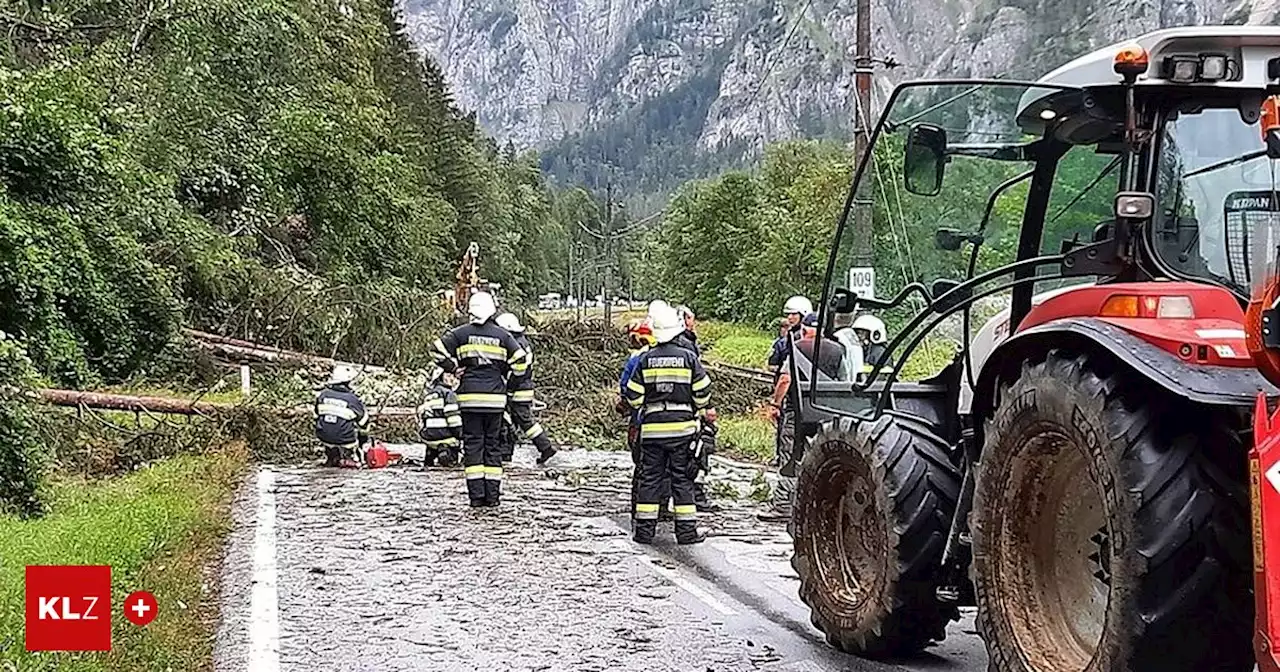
68,608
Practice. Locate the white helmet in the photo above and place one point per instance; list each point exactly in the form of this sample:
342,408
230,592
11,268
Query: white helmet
342,373
657,305
797,305
481,307
873,325
511,323
666,322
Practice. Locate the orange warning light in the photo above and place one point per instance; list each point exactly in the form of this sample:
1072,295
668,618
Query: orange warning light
1131,60
1270,115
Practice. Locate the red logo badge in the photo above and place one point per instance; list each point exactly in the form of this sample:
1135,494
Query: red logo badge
68,608
140,607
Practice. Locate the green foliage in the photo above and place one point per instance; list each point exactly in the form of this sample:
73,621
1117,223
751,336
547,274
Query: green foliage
229,163
735,247
737,344
22,458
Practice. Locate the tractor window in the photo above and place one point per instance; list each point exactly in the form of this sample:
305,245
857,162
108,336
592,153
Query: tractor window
1081,205
975,129
1216,190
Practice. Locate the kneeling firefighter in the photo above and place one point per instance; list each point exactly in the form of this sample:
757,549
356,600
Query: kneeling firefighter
670,389
342,421
520,386
483,355
440,423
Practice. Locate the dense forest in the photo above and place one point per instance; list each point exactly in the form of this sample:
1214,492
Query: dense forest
286,170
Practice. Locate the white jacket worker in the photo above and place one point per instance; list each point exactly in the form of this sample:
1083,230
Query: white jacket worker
871,331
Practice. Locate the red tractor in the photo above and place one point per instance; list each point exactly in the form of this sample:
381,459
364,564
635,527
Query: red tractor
1081,470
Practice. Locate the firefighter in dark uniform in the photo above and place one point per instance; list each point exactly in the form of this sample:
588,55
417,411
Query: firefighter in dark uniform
440,423
483,355
670,389
342,422
520,407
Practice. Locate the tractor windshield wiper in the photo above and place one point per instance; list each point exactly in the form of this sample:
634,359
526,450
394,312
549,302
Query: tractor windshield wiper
1249,156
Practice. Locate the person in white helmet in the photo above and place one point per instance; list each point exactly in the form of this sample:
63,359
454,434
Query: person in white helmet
341,419
483,356
871,331
793,311
520,407
670,390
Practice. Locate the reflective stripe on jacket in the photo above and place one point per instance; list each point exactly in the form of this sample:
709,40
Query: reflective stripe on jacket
439,418
488,354
670,388
340,416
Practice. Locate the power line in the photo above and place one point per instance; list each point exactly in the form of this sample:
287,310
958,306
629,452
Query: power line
769,61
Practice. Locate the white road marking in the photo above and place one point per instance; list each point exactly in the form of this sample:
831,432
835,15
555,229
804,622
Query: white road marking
674,577
264,605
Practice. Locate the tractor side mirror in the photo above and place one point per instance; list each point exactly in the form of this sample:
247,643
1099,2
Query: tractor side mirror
942,287
924,159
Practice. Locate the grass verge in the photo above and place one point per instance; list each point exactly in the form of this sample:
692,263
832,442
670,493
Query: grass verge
161,529
737,344
747,437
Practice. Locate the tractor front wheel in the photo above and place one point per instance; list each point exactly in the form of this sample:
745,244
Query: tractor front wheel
874,503
1105,536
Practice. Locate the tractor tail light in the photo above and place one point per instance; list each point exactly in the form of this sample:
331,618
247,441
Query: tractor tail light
1174,308
1120,305
1160,307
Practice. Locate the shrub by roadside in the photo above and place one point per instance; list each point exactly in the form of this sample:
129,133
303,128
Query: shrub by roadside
22,455
160,528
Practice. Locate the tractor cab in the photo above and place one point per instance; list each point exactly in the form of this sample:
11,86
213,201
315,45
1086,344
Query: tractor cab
1081,451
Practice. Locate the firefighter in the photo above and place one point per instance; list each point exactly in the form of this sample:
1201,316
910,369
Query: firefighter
520,386
342,421
440,423
483,356
870,330
670,389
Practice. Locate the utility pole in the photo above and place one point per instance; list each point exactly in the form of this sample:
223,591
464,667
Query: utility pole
862,275
608,250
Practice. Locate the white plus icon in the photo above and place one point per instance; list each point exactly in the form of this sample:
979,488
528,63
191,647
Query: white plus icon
141,608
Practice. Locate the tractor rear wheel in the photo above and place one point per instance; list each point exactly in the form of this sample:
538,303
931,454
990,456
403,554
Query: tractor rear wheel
1105,535
874,503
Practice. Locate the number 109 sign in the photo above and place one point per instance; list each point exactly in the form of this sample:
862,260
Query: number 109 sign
862,281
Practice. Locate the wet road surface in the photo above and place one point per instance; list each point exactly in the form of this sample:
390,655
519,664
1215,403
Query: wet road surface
391,570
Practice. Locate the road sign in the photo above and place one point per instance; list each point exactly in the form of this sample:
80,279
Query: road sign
862,281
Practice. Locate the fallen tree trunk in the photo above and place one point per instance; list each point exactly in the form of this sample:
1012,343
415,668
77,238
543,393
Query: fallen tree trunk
240,350
168,405
126,402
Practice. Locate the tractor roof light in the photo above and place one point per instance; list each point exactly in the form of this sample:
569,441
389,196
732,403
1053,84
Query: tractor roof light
1213,67
1190,68
1157,307
1131,61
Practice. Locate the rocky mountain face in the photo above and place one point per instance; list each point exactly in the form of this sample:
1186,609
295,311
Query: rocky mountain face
734,74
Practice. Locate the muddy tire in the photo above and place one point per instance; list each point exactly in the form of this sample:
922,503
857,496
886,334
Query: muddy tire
874,502
1106,534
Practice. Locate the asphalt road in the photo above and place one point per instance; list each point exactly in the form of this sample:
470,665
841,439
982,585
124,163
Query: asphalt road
390,570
